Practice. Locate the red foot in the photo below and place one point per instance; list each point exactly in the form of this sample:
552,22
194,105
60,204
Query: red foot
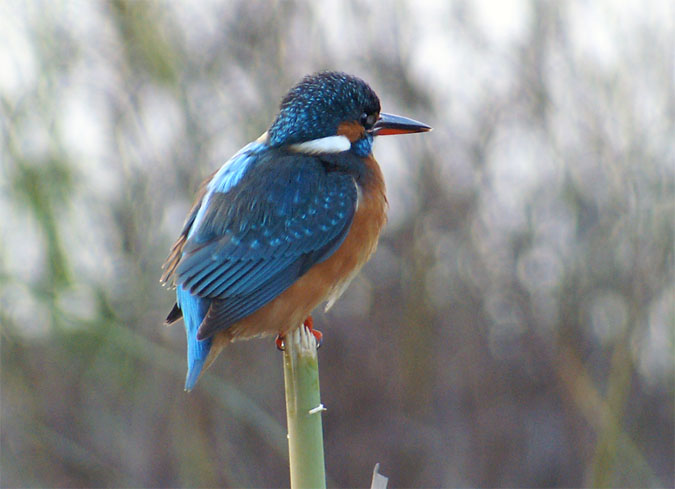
309,324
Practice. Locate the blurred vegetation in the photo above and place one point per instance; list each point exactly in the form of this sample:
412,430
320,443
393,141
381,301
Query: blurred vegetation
515,329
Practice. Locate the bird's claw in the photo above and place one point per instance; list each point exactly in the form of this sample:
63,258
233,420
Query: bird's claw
309,324
279,341
318,335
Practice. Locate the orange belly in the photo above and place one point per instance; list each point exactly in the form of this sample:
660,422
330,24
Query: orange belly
324,281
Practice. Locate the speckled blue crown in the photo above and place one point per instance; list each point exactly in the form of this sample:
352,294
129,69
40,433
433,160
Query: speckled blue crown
318,104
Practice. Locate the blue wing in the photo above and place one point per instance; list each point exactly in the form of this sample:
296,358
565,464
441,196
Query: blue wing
260,228
191,307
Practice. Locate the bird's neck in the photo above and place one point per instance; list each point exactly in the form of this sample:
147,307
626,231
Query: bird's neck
373,181
364,170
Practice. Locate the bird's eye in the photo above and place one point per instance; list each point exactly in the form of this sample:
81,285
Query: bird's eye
368,120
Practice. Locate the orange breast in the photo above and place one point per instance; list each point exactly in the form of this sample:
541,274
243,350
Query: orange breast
324,281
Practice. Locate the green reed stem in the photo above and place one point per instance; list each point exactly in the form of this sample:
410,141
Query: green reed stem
303,411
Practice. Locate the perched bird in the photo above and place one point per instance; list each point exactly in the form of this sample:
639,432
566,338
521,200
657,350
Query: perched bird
286,223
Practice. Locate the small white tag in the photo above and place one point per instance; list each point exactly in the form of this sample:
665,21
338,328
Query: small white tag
317,409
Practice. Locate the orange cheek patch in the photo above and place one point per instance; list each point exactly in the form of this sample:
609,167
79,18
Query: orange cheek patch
352,130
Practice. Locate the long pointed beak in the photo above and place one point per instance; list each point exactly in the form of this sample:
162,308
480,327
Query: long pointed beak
389,124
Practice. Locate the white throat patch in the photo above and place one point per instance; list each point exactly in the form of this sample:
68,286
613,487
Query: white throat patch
330,144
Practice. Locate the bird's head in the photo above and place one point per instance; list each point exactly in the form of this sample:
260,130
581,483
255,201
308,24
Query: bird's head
332,112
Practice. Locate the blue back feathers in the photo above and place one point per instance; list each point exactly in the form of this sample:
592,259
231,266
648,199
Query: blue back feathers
249,244
227,177
279,216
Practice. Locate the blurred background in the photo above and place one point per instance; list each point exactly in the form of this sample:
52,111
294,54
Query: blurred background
516,327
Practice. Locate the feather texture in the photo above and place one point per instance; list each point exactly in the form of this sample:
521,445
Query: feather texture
286,223
280,213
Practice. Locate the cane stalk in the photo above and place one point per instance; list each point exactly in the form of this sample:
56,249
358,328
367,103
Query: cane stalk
303,411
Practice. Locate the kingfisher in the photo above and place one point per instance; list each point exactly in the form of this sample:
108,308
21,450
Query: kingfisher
286,223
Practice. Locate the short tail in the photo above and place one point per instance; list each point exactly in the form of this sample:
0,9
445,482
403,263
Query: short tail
194,309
